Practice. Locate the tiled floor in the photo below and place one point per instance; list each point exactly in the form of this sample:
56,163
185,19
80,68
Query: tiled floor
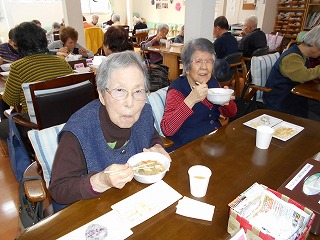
9,223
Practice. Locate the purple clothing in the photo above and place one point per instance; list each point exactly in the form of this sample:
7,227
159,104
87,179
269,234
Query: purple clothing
154,56
8,53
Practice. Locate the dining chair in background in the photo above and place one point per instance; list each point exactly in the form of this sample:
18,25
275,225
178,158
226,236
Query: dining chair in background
258,52
234,79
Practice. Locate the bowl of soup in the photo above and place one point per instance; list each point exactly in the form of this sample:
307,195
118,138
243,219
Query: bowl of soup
219,96
149,167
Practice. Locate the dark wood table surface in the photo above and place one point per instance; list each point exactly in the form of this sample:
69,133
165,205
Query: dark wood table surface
310,89
235,163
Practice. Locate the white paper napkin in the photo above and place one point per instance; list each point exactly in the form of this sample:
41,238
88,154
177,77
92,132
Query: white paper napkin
195,209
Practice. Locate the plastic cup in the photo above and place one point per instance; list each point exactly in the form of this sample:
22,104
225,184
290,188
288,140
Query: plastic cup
199,177
264,136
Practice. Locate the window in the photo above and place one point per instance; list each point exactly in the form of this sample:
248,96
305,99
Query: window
95,6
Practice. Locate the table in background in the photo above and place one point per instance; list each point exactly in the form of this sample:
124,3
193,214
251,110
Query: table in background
310,89
171,58
235,163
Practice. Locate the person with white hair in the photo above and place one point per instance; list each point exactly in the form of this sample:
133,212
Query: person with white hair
291,69
162,31
116,19
95,20
138,24
252,37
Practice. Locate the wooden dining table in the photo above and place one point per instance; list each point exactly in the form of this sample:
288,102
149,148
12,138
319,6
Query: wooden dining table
235,163
310,89
171,58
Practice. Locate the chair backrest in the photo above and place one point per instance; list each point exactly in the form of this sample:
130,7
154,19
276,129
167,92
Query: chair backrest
260,70
56,35
234,60
260,51
140,36
157,100
52,102
94,38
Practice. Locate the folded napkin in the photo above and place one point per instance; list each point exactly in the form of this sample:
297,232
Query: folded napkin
195,209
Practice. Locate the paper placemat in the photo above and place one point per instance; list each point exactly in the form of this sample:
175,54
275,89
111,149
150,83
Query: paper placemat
109,227
146,203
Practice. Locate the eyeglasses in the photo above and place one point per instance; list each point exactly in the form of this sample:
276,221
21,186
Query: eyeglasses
121,94
199,62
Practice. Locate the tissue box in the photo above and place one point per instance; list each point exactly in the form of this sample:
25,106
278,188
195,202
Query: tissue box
308,168
236,222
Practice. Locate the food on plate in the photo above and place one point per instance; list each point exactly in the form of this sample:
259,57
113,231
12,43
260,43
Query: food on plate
151,167
283,132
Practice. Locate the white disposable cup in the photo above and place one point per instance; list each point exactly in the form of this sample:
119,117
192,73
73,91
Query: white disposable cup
199,177
264,136
168,44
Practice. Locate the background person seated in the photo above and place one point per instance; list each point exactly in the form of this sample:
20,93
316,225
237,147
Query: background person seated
85,23
138,24
8,50
35,65
118,125
252,37
291,69
180,37
162,31
68,44
95,21
225,43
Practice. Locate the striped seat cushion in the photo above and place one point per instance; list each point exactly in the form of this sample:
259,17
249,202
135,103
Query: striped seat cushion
157,101
45,144
260,70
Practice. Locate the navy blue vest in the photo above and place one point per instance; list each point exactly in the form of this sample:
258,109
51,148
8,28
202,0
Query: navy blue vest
280,98
201,122
85,125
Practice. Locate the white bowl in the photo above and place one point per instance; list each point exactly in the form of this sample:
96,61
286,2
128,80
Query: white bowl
143,156
6,67
219,96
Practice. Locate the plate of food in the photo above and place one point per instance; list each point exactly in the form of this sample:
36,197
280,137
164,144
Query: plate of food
263,120
285,130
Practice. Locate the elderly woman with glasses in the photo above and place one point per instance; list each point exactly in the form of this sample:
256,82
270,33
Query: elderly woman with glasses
291,69
104,134
188,114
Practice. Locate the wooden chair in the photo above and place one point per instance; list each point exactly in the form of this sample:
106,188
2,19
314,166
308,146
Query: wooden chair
54,101
257,52
138,38
258,75
233,78
298,40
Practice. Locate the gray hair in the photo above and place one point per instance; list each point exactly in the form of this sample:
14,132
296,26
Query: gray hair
162,26
252,21
95,16
312,37
137,20
56,25
119,61
199,44
115,17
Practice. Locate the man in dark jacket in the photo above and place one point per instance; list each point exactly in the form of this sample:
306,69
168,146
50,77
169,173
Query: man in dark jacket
252,37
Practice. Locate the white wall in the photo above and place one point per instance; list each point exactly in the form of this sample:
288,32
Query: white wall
151,14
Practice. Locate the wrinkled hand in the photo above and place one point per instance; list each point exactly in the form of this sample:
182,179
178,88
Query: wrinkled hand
158,148
198,94
62,54
63,50
83,52
101,181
